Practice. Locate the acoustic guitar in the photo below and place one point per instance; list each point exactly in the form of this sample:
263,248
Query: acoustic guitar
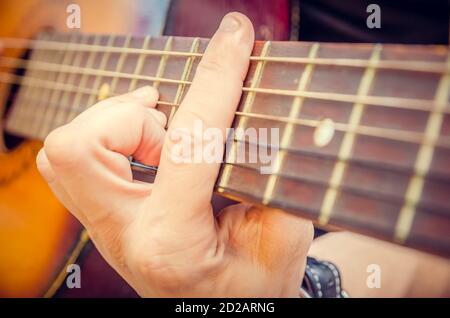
364,131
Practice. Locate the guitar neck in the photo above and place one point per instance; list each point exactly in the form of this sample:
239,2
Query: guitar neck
364,129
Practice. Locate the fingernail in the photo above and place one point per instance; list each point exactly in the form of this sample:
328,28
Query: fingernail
230,23
142,92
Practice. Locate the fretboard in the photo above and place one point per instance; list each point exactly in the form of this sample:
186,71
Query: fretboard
384,170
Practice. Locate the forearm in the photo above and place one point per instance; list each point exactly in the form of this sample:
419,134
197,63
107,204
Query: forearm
403,272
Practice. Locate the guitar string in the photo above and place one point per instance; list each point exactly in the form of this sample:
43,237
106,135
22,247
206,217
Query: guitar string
418,66
307,122
377,101
290,149
384,133
372,194
366,193
298,151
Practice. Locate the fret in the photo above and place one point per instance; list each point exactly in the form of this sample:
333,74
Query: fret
23,114
289,127
120,64
83,81
55,95
103,62
423,159
346,147
139,64
184,77
163,61
41,101
65,98
39,94
15,122
226,172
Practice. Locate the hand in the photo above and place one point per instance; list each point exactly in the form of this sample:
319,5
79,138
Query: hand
163,238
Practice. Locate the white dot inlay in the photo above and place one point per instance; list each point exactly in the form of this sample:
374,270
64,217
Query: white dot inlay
324,132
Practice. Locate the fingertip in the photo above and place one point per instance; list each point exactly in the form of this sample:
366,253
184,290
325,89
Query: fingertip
241,24
145,92
244,21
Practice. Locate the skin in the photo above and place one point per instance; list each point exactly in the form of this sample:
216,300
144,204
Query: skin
403,272
163,238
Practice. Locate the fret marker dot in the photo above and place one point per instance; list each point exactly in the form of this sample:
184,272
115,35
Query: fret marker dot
103,92
324,132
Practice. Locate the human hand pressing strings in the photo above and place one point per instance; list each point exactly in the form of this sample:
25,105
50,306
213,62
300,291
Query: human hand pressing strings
163,238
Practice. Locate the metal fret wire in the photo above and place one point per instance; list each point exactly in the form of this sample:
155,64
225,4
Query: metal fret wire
139,64
28,114
17,112
348,141
120,63
184,77
256,79
61,114
55,95
423,161
103,62
162,63
83,80
289,127
20,112
42,94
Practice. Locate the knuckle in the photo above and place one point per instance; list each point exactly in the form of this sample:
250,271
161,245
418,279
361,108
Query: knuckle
211,66
62,146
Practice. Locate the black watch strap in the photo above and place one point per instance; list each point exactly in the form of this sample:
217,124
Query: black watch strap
322,280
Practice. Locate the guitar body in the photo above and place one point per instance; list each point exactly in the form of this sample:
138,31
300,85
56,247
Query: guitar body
38,236
36,232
